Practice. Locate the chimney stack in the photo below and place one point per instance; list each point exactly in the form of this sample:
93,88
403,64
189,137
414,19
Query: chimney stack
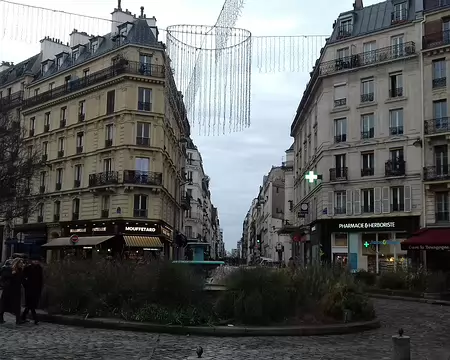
142,12
358,5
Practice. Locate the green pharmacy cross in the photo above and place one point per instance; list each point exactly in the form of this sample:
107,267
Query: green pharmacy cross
366,244
311,177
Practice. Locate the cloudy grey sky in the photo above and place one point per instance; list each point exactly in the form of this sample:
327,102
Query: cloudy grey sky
237,162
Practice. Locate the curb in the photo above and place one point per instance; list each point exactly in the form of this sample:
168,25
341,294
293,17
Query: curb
222,331
411,299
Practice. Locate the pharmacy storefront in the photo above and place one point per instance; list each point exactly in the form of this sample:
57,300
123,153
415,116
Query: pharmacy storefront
372,244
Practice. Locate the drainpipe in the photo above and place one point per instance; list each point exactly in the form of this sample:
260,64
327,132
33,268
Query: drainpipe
424,196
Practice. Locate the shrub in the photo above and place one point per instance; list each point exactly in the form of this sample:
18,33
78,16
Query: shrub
392,280
437,282
365,277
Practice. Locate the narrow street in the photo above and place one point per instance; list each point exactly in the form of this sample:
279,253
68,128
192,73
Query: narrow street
426,324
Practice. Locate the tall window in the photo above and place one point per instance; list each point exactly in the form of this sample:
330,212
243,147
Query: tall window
78,175
81,110
397,198
369,54
142,165
40,212
400,12
107,165
340,130
56,210
395,85
140,205
442,208
63,117
42,179
106,203
439,73
343,53
145,99
59,176
110,101
441,160
367,90
145,64
345,28
76,209
45,148
341,166
61,147
47,122
367,126
32,125
397,44
190,176
396,122
340,95
109,132
340,202
143,134
440,114
80,142
367,198
368,164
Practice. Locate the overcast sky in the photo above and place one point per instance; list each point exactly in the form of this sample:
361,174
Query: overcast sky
236,163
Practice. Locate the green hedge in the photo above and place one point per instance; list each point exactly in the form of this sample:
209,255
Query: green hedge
173,294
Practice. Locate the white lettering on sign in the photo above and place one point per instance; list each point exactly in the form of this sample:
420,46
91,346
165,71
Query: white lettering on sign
77,230
138,228
428,247
99,229
367,225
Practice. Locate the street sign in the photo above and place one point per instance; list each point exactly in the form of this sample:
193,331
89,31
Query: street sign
74,238
311,177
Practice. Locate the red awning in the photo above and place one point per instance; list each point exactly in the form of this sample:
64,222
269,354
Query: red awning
428,239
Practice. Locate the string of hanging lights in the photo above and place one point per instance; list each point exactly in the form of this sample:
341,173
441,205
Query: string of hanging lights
212,65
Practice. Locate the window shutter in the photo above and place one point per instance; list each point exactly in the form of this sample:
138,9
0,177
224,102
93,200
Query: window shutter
377,200
330,203
349,205
340,92
408,198
386,204
357,201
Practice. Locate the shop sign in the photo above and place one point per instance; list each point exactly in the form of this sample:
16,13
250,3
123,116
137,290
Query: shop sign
81,230
99,229
374,225
427,247
74,239
140,229
166,232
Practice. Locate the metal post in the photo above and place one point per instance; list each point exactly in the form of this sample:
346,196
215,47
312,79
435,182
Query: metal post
401,347
377,265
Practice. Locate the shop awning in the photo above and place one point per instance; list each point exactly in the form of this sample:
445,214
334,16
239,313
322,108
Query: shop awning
143,241
82,241
428,239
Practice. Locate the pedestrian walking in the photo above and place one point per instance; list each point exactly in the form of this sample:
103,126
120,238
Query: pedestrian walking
10,300
33,282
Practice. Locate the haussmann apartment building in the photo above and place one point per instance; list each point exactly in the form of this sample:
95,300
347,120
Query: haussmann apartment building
358,132
112,128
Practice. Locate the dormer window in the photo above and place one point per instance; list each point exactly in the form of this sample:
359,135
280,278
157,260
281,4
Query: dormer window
123,32
59,62
75,55
345,28
400,12
94,46
44,68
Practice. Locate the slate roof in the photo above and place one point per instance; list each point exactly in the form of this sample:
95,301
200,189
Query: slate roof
139,34
373,18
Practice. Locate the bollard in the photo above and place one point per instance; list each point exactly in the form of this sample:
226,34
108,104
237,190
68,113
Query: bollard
401,347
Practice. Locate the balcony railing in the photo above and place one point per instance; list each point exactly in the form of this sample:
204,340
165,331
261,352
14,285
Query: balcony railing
396,130
340,102
122,67
397,92
395,168
439,82
344,31
138,177
373,57
442,216
340,138
369,134
436,173
11,101
140,213
338,174
104,178
367,97
436,126
435,4
436,39
367,172
142,141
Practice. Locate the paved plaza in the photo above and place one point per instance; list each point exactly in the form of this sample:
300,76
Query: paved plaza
428,326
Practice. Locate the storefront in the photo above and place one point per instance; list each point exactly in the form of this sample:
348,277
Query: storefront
27,239
131,240
372,244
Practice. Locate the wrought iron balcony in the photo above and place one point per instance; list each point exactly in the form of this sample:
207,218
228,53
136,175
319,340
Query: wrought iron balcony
367,97
58,186
436,39
397,92
62,123
436,173
436,126
140,213
339,174
79,150
442,216
373,57
46,128
186,202
369,134
344,31
105,214
340,102
439,82
41,189
142,141
399,16
81,117
395,168
138,177
367,172
104,178
76,183
108,143
340,138
76,216
396,130
121,68
11,101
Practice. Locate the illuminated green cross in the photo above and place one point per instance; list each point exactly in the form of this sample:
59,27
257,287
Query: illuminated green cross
311,177
366,244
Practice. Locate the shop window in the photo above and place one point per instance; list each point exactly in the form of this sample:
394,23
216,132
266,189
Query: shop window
340,240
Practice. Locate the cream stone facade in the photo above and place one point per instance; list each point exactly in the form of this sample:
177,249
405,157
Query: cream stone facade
358,129
110,124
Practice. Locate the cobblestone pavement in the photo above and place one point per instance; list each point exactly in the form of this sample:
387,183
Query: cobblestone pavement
426,324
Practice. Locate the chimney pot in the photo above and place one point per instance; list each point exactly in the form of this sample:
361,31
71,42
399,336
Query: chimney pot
119,4
142,11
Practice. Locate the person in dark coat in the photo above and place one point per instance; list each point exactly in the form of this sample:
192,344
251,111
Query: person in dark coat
33,282
10,300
